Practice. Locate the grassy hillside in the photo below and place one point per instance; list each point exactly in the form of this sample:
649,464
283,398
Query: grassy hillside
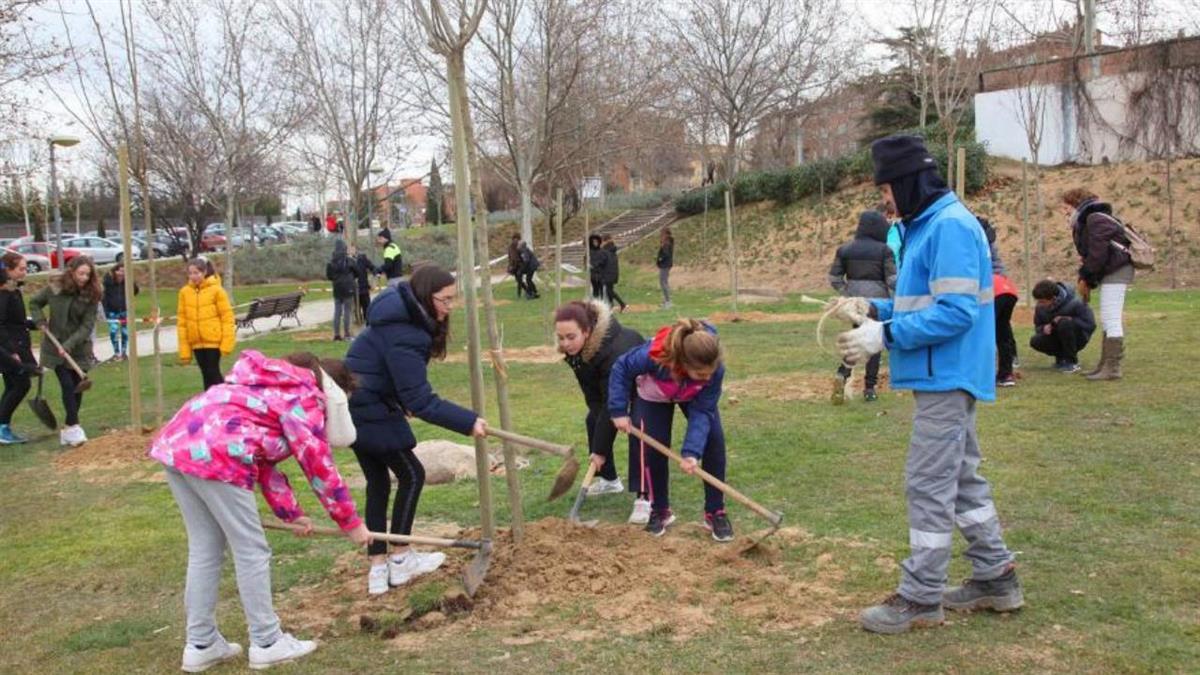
790,248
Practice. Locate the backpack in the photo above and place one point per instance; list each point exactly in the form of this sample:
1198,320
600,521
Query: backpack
1141,252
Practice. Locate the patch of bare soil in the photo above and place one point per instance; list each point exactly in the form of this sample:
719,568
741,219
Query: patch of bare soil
638,308
762,317
800,386
538,354
750,299
617,578
122,449
312,336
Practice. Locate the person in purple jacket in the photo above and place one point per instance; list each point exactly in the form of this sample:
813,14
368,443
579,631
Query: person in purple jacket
680,366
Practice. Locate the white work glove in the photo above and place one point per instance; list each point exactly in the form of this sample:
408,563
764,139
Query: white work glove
852,310
339,426
860,344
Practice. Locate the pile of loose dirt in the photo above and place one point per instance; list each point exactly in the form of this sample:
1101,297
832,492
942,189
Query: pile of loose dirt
799,386
117,449
538,354
618,580
761,317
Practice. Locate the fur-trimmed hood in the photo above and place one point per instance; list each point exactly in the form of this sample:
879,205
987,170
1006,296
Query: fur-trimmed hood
596,339
592,365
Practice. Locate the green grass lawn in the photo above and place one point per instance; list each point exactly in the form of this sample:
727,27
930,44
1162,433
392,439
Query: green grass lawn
1097,484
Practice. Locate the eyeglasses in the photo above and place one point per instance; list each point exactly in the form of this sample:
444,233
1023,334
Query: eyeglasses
444,302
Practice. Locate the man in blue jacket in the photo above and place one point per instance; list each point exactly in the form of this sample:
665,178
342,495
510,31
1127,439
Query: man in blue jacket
941,334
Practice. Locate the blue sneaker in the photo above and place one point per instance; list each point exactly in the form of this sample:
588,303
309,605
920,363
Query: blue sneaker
8,437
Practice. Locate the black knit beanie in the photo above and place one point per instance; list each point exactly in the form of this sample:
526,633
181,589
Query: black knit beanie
896,156
385,233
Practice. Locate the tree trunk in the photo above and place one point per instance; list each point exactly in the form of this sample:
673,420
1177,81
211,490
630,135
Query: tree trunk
126,219
229,214
455,77
499,366
558,226
733,261
526,190
1025,230
1174,263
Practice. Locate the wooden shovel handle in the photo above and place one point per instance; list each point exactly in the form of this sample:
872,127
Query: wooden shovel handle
728,490
535,443
380,536
66,355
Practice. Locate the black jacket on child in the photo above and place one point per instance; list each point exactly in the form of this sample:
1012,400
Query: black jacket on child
389,360
665,259
342,272
865,267
612,271
364,268
598,259
14,332
1068,305
113,299
593,365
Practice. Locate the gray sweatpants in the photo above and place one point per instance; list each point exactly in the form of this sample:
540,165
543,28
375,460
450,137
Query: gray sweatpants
945,489
217,515
343,309
664,282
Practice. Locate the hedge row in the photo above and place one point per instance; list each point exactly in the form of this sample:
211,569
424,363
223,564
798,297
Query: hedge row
785,186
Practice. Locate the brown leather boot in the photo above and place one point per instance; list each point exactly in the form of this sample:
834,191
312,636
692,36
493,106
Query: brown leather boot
1110,366
1103,358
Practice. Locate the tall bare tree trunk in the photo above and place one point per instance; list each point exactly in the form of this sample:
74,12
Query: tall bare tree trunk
1025,230
126,219
455,78
229,216
499,366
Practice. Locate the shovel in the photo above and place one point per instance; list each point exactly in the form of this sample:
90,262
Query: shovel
41,409
566,473
573,516
775,519
84,382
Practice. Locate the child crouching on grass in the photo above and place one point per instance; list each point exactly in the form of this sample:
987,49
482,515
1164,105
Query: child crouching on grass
680,366
215,450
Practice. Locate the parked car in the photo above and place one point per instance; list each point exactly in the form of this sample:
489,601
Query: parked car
34,261
102,251
213,241
44,250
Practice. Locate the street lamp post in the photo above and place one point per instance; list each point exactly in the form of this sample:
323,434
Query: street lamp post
66,142
373,171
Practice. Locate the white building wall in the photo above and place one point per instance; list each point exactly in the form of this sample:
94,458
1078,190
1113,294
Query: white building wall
998,125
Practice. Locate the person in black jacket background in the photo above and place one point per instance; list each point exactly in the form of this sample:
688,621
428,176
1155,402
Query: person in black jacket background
529,265
16,351
1063,324
598,262
591,339
364,269
864,268
612,272
664,261
115,311
344,274
407,325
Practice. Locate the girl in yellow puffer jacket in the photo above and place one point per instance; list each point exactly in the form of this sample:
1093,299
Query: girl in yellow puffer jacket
206,326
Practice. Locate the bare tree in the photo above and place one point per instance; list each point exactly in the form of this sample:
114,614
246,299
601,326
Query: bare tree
24,57
345,58
746,59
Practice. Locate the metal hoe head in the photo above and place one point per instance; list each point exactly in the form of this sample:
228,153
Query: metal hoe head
565,478
754,541
573,516
475,572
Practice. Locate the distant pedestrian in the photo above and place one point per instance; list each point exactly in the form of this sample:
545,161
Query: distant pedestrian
1062,324
341,271
514,264
314,224
864,268
598,263
364,269
529,265
115,312
331,225
206,327
612,274
393,262
664,261
1103,249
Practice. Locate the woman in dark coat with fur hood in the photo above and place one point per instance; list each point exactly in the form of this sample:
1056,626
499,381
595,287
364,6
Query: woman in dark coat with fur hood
592,339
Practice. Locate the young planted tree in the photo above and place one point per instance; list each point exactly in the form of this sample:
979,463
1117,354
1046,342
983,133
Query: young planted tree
434,196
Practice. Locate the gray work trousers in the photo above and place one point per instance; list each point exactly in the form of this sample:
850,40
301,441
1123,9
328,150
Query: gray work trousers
217,515
664,282
343,309
945,489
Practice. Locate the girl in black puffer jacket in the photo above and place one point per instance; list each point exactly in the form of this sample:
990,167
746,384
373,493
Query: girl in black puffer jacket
591,340
16,353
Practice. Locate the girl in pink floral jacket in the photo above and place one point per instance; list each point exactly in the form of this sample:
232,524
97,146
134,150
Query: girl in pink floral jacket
216,449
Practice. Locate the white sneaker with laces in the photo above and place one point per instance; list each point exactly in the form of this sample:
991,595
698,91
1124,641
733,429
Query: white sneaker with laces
377,580
73,436
199,660
641,512
413,564
602,486
285,650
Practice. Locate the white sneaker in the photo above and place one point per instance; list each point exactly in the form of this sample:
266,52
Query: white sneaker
641,512
602,486
72,436
285,650
377,580
199,660
413,564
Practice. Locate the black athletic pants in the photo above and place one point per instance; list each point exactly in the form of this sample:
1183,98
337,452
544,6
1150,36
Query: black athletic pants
209,361
872,376
1006,344
530,287
611,292
376,461
1063,342
67,381
601,434
364,301
16,386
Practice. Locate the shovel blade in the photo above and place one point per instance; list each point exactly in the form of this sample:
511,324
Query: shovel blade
42,411
474,574
565,478
83,386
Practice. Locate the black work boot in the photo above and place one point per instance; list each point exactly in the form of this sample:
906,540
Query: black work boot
898,614
1002,594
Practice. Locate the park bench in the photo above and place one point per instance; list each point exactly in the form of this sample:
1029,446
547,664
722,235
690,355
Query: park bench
283,306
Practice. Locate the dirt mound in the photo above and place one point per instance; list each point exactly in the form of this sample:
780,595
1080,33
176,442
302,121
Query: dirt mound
762,317
614,577
118,449
538,354
799,386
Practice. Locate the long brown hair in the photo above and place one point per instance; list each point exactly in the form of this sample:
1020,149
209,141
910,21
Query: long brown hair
584,314
1076,196
91,290
690,346
9,260
426,280
336,368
